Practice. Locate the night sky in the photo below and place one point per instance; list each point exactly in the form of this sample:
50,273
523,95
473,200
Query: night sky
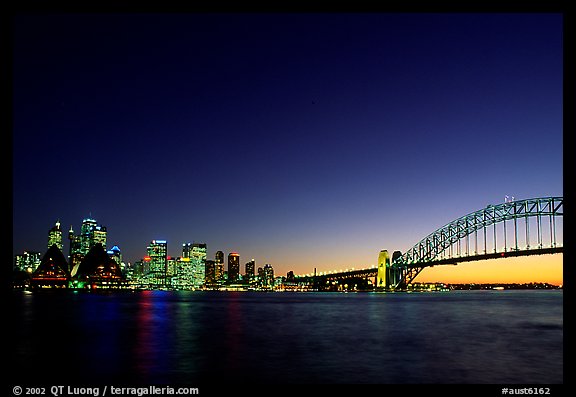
299,140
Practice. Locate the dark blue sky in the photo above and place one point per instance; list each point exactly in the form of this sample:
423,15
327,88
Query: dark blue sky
299,140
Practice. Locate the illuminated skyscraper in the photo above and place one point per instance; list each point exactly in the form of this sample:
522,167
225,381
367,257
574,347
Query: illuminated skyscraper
55,236
249,270
266,276
186,250
115,254
219,257
171,268
75,256
90,234
219,267
86,235
233,266
198,257
191,267
28,261
210,274
158,262
98,236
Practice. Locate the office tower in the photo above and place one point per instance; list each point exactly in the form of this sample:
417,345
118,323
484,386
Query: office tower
210,274
219,257
233,267
98,236
249,269
186,250
90,234
116,254
198,256
75,256
191,267
86,235
55,236
219,267
268,276
28,261
171,268
157,262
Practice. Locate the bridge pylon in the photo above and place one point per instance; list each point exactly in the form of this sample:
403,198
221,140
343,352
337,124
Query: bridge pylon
387,276
382,282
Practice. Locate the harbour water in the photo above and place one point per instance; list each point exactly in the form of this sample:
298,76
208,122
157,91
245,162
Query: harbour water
199,338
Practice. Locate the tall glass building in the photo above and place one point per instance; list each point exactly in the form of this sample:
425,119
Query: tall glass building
198,259
215,270
190,269
27,261
249,270
233,267
219,257
116,254
55,236
157,263
186,250
90,234
266,276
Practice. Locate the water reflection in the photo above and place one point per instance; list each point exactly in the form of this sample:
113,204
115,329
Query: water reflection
160,337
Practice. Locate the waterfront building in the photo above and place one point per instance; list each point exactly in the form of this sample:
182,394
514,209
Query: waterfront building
90,234
75,251
139,269
186,250
171,268
55,236
86,235
198,259
98,236
116,254
191,267
98,269
249,270
233,267
210,274
182,278
220,272
157,263
52,271
266,276
28,261
214,275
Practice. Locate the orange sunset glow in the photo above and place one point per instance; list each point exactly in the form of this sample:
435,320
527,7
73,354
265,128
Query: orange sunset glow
537,268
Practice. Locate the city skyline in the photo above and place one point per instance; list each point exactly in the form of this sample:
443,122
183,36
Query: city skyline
534,268
301,140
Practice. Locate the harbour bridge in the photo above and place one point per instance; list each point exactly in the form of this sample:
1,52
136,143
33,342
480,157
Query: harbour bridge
509,229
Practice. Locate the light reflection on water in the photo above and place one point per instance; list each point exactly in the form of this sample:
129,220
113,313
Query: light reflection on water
183,337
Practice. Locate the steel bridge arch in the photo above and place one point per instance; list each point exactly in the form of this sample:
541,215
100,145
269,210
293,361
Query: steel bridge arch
427,251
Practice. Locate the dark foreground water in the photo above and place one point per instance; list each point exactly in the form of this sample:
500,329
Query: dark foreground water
158,337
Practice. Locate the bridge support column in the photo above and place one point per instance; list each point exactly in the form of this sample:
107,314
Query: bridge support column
388,276
383,268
